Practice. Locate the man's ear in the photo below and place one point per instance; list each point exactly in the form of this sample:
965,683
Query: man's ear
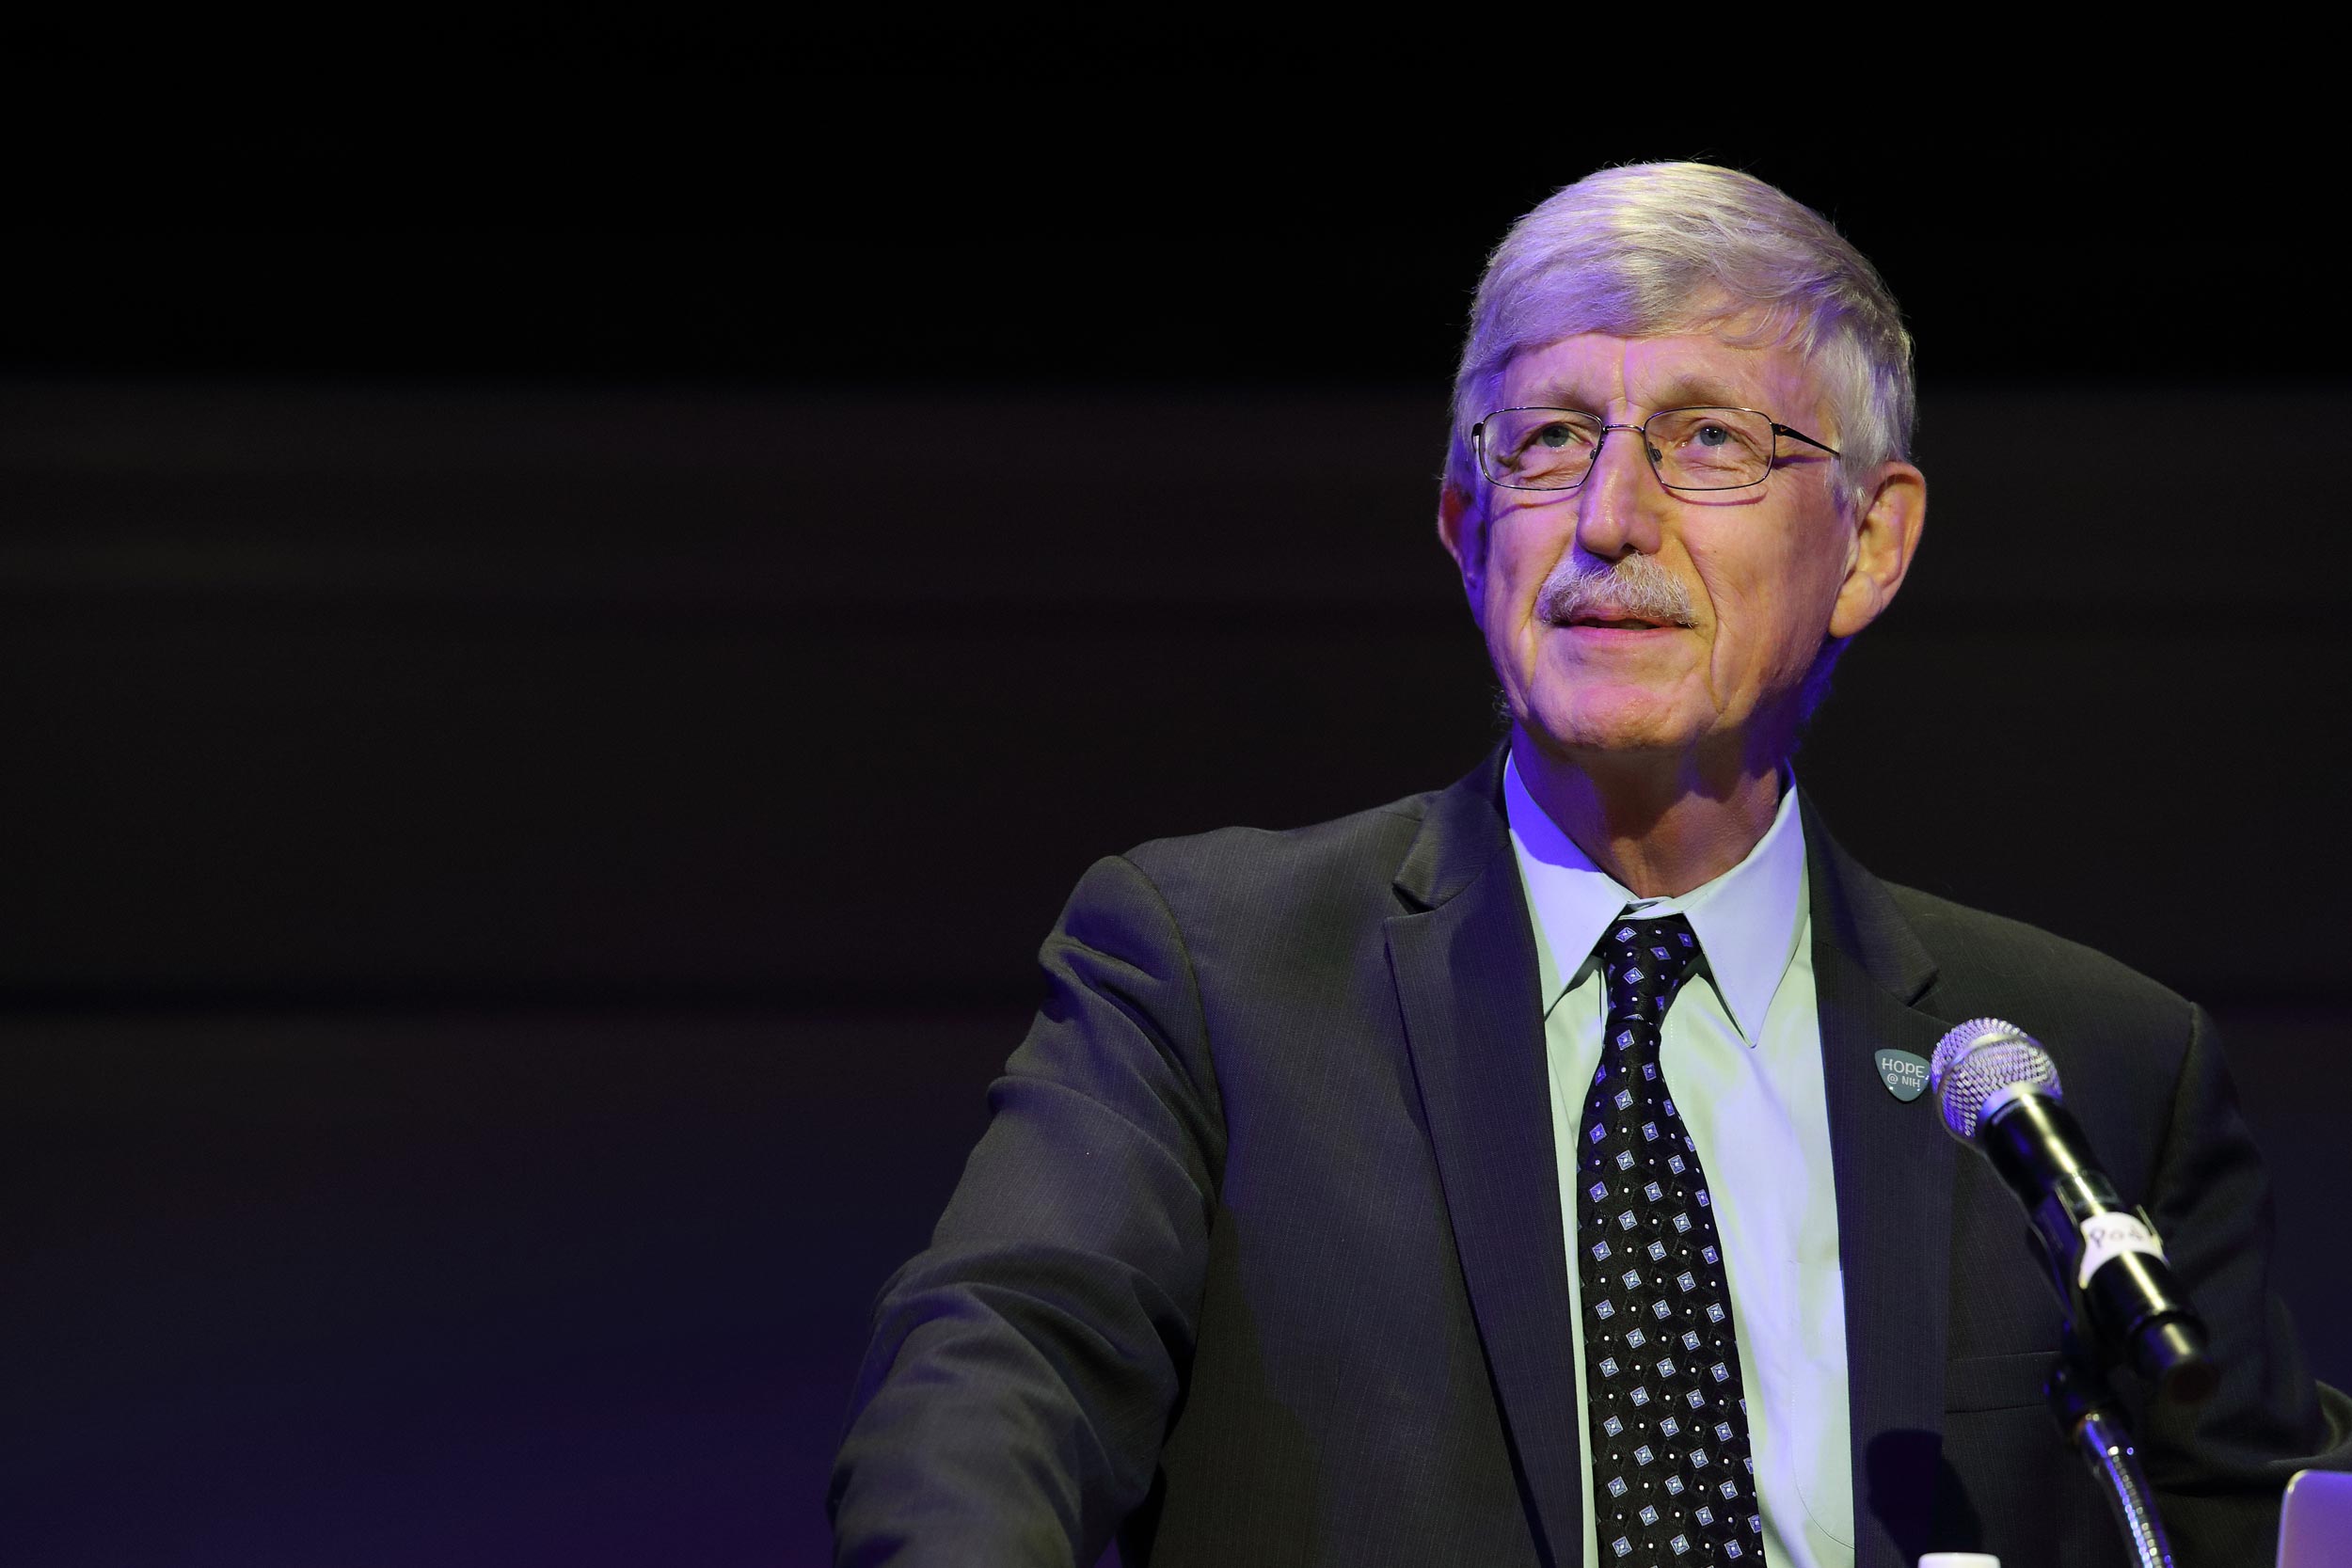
1462,529
1886,538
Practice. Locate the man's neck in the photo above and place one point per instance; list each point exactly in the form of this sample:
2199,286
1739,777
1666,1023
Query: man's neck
1661,826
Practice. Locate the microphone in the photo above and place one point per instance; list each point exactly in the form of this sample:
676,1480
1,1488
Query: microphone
1999,1094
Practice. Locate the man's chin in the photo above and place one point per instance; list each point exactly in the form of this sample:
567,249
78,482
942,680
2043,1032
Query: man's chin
1630,723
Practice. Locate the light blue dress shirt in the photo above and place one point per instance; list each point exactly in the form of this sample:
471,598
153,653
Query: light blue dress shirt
1744,1055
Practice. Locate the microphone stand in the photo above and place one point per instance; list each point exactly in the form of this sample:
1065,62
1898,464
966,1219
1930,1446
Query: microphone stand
2091,1419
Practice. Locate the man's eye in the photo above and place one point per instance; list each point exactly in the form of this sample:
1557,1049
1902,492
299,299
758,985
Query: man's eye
1555,436
1714,435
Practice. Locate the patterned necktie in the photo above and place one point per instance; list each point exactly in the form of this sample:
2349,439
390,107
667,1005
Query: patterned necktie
1673,1481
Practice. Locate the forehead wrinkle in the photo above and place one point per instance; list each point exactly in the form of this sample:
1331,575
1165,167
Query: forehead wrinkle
1771,379
1683,391
1554,394
1672,380
1669,370
1702,391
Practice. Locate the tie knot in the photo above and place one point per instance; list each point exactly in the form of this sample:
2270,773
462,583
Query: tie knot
1646,961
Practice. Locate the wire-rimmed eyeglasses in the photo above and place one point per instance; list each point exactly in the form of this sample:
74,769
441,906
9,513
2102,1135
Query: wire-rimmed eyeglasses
1689,449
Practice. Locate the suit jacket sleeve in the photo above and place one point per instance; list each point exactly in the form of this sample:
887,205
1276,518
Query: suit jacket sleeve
1023,1368
2218,1470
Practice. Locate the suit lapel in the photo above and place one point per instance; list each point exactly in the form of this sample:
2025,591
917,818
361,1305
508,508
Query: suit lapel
1464,967
1463,962
1894,1166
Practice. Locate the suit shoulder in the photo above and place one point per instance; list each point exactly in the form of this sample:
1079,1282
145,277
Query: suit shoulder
1980,955
1367,844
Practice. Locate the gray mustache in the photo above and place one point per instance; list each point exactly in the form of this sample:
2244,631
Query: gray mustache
1635,586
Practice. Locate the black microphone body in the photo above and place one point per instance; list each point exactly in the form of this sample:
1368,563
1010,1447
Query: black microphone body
2135,1306
1999,1093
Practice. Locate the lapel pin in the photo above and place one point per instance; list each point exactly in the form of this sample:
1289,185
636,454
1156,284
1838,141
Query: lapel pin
1904,1074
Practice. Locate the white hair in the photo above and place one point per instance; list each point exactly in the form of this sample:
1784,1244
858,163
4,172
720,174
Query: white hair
1654,249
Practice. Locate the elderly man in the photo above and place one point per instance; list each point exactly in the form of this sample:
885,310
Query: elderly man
1504,1175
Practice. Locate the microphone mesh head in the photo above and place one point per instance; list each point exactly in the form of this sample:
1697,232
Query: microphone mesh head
1978,1059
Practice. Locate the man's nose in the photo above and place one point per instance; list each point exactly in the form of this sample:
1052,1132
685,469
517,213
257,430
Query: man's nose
1621,505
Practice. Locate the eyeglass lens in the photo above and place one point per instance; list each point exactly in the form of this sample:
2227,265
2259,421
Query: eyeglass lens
1694,449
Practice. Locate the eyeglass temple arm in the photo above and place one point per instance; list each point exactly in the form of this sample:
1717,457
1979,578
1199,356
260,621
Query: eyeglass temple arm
1784,430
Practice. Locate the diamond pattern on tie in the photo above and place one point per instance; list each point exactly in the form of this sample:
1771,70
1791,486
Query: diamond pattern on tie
1668,1423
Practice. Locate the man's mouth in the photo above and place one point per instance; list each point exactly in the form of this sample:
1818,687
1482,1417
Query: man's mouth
1606,616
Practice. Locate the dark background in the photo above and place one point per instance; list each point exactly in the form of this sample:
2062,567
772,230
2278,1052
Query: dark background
522,837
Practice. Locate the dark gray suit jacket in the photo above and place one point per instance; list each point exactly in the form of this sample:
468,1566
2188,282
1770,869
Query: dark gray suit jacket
1260,1260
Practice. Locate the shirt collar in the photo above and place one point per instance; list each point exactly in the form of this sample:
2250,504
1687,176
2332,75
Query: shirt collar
1746,920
